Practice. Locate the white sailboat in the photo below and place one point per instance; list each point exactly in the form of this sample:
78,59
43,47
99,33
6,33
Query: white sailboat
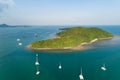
19,44
36,63
37,72
60,67
103,67
81,76
37,55
18,39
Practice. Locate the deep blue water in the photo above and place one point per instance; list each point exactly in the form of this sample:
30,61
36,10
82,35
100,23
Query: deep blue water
17,62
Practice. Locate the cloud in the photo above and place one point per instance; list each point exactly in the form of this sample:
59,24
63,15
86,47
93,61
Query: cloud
5,4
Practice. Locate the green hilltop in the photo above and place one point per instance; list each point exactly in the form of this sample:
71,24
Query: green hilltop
71,37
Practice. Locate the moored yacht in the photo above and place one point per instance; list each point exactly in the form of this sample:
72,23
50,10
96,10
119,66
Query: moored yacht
18,39
103,67
81,75
36,63
19,44
37,72
60,67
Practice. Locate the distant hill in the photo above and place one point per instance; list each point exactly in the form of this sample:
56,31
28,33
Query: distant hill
6,25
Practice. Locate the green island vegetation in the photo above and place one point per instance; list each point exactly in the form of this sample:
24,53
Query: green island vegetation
72,37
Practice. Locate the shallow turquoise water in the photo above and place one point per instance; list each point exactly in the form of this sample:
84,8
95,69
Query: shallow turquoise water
17,63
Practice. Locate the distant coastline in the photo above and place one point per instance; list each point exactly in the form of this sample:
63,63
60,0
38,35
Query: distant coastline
6,25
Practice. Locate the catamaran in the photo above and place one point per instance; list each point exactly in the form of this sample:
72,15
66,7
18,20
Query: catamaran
103,67
81,76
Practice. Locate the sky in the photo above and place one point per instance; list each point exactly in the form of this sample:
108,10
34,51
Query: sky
60,12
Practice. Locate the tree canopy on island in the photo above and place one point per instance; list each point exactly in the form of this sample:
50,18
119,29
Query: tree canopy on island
71,37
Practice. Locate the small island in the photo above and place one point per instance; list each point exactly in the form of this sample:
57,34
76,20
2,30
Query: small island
71,39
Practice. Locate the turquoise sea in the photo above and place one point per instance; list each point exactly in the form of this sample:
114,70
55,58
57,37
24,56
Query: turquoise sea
18,63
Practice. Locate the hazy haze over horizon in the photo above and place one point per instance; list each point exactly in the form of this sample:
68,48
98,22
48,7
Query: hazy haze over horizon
60,12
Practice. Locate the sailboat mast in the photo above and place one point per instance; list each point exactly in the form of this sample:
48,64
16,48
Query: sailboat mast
81,70
37,57
103,65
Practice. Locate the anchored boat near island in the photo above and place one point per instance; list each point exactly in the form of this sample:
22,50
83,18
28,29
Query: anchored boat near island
60,66
37,65
103,67
18,39
37,72
37,62
19,43
81,75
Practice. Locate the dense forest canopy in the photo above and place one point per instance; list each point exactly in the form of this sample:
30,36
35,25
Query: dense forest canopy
71,37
